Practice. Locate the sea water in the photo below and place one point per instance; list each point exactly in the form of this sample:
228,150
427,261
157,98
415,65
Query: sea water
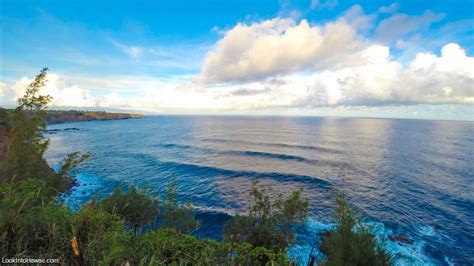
411,177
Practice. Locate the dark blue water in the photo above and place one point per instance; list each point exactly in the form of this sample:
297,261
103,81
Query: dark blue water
404,176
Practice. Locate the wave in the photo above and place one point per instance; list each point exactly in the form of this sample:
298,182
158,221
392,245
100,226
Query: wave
280,156
414,254
191,169
270,144
187,168
241,153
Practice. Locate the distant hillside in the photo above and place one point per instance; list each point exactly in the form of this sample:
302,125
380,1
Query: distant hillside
77,116
53,117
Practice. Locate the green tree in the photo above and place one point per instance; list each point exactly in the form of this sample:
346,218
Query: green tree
182,218
25,152
270,222
352,242
135,207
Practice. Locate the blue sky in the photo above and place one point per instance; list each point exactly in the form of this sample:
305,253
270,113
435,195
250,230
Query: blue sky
209,55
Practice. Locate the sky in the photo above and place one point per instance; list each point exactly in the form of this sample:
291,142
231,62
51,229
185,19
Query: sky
397,59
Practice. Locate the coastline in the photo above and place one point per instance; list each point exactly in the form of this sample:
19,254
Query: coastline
57,117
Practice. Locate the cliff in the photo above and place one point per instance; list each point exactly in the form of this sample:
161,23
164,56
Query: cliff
78,116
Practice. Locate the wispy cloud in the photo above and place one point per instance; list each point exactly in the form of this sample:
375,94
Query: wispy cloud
400,25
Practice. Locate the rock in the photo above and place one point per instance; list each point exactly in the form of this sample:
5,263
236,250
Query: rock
402,239
325,233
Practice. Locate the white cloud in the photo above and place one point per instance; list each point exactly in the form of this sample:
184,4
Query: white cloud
130,50
3,88
282,46
63,94
427,79
113,100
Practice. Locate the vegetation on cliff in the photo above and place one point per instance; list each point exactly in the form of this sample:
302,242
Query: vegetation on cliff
78,116
60,116
270,222
132,227
352,242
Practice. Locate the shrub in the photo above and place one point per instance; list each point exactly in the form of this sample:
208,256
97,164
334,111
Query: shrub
100,235
181,218
32,222
166,246
135,207
352,242
270,222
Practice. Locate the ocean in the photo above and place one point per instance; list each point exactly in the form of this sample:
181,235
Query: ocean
412,177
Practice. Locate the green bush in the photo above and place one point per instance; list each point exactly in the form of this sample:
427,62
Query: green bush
135,207
166,246
100,235
182,218
35,225
352,242
270,222
31,221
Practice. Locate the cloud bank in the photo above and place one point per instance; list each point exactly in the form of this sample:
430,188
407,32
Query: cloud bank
63,93
427,79
280,46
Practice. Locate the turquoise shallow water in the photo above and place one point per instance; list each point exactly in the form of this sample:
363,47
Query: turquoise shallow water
405,176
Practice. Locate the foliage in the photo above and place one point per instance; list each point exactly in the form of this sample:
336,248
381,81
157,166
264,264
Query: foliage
31,221
135,207
352,242
76,116
27,146
166,246
180,218
270,222
99,234
36,225
68,169
5,117
24,158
